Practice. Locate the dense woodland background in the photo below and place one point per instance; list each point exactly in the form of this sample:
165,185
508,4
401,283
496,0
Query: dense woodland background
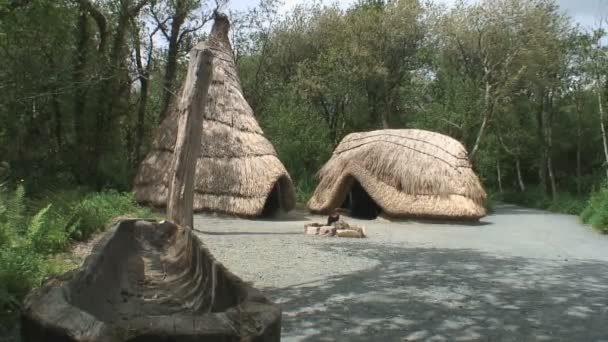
85,83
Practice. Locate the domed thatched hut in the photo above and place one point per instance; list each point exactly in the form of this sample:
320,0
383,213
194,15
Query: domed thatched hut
238,171
401,173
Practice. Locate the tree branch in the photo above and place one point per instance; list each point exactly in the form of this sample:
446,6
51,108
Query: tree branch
100,20
134,10
194,29
160,23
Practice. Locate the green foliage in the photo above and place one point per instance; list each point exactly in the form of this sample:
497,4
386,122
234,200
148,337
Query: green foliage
564,203
300,137
27,242
568,204
596,210
532,198
304,190
22,269
95,210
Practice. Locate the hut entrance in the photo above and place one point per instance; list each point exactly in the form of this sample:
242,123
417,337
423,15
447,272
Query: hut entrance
360,204
273,202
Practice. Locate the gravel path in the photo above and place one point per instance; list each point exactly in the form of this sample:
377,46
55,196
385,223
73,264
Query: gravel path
519,275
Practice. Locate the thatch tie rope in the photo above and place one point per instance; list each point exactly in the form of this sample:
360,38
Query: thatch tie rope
402,137
408,147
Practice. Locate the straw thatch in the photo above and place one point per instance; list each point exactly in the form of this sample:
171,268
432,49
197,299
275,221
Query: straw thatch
238,171
407,173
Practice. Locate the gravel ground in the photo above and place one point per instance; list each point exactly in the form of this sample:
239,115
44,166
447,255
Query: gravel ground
518,275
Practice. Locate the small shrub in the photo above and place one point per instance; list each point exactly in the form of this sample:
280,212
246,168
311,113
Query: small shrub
493,199
535,198
94,212
23,266
76,214
532,198
27,242
22,269
596,211
568,204
304,190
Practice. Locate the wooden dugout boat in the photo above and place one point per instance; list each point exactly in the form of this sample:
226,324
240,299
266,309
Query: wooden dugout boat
149,281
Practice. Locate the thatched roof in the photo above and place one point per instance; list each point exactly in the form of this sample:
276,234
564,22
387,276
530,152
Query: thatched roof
408,173
238,167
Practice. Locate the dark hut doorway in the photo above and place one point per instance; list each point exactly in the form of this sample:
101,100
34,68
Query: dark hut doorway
273,202
360,204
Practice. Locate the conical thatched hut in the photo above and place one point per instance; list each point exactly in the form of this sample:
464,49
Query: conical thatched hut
238,171
400,173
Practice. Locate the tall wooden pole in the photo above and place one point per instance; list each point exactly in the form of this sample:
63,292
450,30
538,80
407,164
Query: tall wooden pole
188,144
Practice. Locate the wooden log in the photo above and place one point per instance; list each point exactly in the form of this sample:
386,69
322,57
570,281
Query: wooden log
187,296
188,144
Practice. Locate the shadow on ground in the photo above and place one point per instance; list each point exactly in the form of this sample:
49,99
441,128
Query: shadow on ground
447,295
245,233
511,209
448,222
281,216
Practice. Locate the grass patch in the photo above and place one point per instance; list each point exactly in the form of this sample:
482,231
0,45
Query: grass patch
33,232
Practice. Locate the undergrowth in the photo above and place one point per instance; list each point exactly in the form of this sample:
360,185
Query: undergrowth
564,203
596,211
304,190
592,210
33,231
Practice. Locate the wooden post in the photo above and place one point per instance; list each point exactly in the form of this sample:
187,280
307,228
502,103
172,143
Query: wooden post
188,143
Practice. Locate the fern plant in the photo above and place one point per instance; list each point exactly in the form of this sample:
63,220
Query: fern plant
13,216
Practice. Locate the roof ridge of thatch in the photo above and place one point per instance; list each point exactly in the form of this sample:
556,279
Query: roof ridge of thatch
351,139
408,147
249,156
227,193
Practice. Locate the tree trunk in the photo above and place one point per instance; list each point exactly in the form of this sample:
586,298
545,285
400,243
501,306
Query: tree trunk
55,106
487,111
384,117
551,177
88,161
171,66
549,143
144,74
520,181
579,139
114,85
602,123
58,120
542,162
188,144
499,176
106,98
80,96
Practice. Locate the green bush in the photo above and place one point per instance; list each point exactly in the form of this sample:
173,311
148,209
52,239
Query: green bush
75,214
97,209
532,198
596,211
304,190
535,198
32,231
567,204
